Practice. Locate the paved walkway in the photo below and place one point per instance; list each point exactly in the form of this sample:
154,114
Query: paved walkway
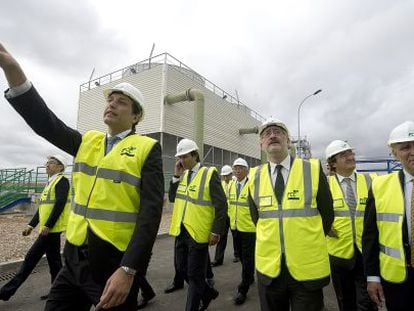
160,274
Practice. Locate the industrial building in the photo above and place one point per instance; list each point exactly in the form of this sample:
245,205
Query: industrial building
164,75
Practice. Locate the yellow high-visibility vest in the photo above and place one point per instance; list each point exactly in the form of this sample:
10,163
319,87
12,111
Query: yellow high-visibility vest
348,232
107,188
239,211
193,207
389,203
47,203
294,228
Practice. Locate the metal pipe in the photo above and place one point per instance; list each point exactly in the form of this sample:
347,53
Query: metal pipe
251,130
197,96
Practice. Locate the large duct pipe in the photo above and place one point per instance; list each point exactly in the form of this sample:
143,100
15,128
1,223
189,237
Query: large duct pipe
197,96
254,130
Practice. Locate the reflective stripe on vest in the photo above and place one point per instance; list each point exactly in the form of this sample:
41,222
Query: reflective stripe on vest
193,207
389,203
47,203
239,210
293,227
349,230
107,188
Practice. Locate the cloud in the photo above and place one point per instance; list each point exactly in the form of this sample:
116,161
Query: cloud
274,53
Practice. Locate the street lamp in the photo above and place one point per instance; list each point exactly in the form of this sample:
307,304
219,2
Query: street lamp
300,106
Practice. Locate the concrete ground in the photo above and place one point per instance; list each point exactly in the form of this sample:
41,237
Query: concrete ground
160,275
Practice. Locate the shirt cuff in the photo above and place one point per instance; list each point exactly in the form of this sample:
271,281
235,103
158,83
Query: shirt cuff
175,179
375,279
18,90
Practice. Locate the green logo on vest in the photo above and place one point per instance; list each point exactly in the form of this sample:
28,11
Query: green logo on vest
128,151
293,195
363,201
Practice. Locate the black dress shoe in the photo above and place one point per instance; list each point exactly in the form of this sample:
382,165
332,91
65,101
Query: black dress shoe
4,296
240,299
44,297
216,263
211,295
173,288
143,303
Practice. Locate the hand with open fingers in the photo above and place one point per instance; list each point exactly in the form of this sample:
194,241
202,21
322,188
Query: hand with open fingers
376,293
214,239
27,231
116,290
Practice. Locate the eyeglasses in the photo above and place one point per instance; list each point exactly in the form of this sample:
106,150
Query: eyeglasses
271,130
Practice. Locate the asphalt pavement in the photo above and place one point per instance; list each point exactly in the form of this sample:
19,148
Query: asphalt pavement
160,275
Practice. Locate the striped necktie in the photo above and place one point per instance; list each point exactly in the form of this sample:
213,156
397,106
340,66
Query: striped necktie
111,142
350,195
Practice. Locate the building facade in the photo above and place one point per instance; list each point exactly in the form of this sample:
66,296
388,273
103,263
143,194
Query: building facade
163,75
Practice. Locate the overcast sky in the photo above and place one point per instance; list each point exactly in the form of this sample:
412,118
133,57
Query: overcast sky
360,53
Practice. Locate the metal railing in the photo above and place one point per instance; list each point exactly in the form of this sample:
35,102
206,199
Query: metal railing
175,64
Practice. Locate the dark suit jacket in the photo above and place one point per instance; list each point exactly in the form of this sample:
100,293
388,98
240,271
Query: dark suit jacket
45,123
61,196
370,235
218,200
325,207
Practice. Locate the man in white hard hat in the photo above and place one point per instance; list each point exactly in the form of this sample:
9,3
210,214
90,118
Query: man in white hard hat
52,217
292,207
226,179
198,220
118,195
388,237
349,191
242,226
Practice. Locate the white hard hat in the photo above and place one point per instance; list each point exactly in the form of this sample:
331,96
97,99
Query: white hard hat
335,147
226,170
241,162
185,146
130,91
59,158
272,121
402,133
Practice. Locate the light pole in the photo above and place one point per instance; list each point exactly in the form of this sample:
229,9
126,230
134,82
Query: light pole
300,106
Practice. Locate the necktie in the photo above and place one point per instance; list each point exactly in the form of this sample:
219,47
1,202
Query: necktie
189,176
238,189
412,225
350,195
112,141
279,184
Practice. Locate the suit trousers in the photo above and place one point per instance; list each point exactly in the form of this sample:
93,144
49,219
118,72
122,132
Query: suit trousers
399,297
284,293
76,288
49,245
222,244
247,252
191,261
350,283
